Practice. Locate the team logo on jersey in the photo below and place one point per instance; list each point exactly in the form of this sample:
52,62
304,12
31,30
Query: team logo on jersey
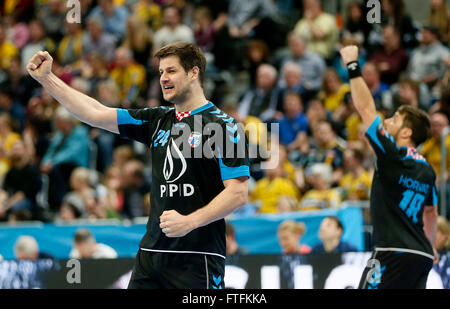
170,175
195,139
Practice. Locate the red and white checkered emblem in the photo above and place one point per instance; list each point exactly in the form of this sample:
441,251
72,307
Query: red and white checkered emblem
181,115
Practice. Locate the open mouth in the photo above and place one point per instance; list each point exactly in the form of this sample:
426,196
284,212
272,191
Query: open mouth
168,87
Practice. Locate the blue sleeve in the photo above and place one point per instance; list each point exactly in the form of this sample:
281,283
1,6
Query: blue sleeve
233,158
138,124
383,144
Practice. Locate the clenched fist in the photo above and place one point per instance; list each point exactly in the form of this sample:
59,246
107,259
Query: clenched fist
349,54
40,65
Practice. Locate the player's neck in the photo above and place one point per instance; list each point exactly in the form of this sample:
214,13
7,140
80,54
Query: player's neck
195,100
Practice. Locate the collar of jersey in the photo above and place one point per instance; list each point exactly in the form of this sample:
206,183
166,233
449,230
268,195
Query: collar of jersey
200,109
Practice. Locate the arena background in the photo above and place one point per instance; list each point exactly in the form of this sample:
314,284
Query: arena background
264,266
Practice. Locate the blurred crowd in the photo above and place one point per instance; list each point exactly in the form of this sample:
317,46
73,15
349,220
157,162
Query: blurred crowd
268,61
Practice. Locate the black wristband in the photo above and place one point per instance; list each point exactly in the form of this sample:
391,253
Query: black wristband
353,69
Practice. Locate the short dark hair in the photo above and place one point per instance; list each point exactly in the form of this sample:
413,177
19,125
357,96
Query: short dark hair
189,54
418,121
338,222
82,236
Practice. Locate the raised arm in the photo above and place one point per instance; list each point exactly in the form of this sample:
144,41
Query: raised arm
361,95
83,107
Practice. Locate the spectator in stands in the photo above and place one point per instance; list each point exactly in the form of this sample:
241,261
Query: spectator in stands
129,76
233,248
333,90
286,204
294,124
27,248
312,64
261,101
173,30
38,41
257,54
439,17
325,147
393,13
97,40
22,87
442,235
356,26
8,137
139,40
274,184
72,208
426,64
52,15
7,49
392,59
21,184
321,195
330,234
149,12
12,107
431,149
291,82
409,92
86,247
316,112
17,30
371,76
318,28
204,31
114,197
135,188
70,49
113,17
356,182
68,149
443,104
289,235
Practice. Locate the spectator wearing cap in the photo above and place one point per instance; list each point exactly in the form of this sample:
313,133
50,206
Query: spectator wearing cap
86,247
68,149
427,61
330,234
97,41
114,18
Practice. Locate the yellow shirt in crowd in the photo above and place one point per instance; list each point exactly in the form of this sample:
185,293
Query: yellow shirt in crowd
320,199
332,101
431,150
356,186
132,76
268,192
